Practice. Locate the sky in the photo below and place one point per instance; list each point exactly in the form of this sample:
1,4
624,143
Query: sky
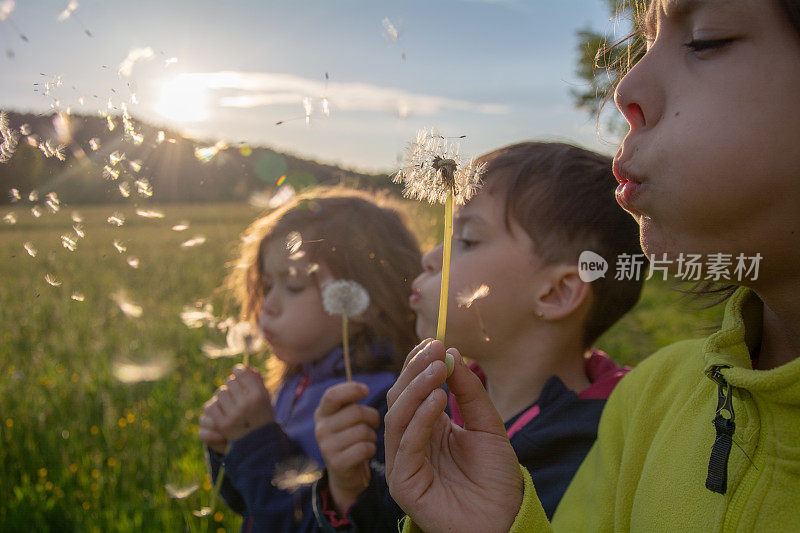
350,81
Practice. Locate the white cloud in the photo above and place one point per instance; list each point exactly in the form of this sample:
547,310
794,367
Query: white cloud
266,89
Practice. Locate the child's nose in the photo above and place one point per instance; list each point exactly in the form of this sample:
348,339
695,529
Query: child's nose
432,261
640,93
271,304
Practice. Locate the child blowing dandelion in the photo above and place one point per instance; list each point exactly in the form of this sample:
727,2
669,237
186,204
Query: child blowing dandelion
435,172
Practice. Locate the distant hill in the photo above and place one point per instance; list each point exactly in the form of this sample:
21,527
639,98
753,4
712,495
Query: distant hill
146,159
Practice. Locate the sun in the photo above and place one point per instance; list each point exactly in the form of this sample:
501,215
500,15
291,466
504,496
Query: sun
183,101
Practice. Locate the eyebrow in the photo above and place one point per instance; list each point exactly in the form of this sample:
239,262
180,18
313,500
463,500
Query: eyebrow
675,9
462,220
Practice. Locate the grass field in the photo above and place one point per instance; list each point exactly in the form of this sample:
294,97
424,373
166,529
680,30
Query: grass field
82,451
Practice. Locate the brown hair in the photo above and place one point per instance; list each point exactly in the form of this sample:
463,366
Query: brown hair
563,197
357,236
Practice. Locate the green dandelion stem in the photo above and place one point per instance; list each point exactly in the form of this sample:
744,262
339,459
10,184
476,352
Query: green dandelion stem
448,237
218,484
346,346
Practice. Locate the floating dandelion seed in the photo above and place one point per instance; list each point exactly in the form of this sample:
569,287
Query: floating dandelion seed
468,297
183,226
120,247
137,138
25,129
149,214
52,202
94,143
76,217
78,229
197,241
30,248
110,173
435,172
326,110
284,195
33,196
293,242
110,122
135,165
128,308
117,219
295,473
71,7
160,137
69,242
36,211
51,280
128,372
78,297
194,318
10,139
244,338
204,155
348,299
14,195
6,8
144,188
212,351
133,262
170,61
10,218
180,493
136,54
124,189
308,107
115,157
390,31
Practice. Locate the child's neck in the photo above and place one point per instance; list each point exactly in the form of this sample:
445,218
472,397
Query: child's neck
516,374
780,338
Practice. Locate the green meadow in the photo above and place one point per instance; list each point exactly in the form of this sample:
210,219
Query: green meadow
81,450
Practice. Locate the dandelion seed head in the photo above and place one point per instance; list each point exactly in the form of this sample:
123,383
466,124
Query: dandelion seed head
433,167
244,337
344,297
180,493
52,280
197,241
467,297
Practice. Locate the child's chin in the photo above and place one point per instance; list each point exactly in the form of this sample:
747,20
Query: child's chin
424,331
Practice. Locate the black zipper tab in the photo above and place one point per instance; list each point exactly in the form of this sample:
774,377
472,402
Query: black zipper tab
717,480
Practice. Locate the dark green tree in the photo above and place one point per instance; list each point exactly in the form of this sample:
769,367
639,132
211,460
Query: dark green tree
603,59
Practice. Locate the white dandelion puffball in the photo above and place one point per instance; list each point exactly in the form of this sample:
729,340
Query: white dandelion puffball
344,297
244,337
430,158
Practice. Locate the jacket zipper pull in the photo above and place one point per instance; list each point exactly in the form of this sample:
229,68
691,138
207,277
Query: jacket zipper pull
717,479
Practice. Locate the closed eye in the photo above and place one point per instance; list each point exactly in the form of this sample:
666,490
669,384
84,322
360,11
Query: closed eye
701,45
466,244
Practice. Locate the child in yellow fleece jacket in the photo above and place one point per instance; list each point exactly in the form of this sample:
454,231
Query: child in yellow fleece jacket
705,434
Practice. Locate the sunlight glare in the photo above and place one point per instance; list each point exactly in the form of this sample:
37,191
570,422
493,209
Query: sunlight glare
183,101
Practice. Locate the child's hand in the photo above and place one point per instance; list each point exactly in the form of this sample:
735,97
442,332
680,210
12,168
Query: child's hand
345,432
209,432
446,477
240,406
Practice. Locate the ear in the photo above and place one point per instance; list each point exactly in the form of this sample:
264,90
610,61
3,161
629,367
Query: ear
563,294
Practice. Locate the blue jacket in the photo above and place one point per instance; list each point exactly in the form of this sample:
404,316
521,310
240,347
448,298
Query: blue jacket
263,478
550,437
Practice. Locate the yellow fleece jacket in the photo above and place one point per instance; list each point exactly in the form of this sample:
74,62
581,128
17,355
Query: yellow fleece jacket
648,469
